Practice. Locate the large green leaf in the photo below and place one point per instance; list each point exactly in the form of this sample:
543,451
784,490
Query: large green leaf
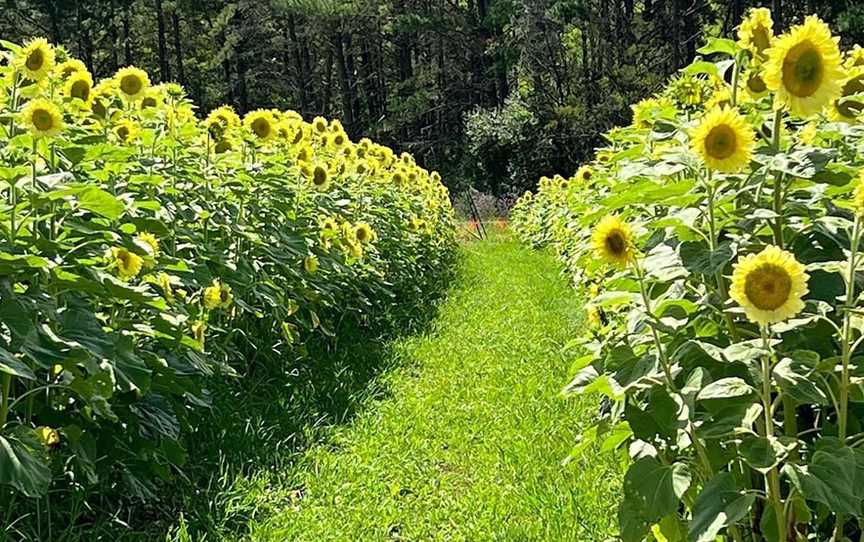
719,505
22,467
829,478
655,489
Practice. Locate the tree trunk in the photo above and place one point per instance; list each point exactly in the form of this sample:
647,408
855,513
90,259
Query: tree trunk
178,46
344,84
164,67
301,76
127,40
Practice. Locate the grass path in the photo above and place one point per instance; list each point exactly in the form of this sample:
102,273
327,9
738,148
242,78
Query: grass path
468,443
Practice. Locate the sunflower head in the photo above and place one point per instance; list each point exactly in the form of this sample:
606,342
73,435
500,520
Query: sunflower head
221,120
128,263
261,124
152,98
79,86
48,436
217,295
364,233
643,112
126,131
754,85
724,140
310,264
854,58
132,82
319,124
769,285
150,242
584,174
70,66
36,59
320,177
804,68
756,32
849,106
612,241
42,118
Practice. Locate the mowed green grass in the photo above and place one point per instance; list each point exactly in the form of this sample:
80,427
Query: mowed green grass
467,443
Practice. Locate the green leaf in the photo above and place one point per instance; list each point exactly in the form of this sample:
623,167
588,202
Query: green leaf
22,468
725,388
719,505
654,488
795,379
698,258
101,202
10,364
764,453
829,478
719,45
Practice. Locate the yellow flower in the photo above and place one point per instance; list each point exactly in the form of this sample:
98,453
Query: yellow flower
198,330
854,58
132,82
150,242
756,31
754,84
612,241
364,233
261,123
328,227
164,282
724,140
849,107
126,131
152,98
213,295
592,314
721,97
48,436
128,263
221,120
310,264
36,59
804,68
320,177
101,97
69,67
42,118
769,285
584,174
79,86
643,112
808,134
319,124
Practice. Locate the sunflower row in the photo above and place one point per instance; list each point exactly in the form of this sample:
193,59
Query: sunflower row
145,251
718,241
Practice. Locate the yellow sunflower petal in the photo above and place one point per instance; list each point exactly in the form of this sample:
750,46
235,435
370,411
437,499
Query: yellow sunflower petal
769,285
724,140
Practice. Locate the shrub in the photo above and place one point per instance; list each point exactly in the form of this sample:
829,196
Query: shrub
718,239
144,249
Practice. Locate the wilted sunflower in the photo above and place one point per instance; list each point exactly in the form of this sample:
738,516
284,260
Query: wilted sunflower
132,82
128,263
612,241
769,285
261,123
756,31
79,86
42,118
804,68
364,233
36,59
724,140
848,107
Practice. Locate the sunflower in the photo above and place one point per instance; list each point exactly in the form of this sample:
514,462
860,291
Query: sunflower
643,112
849,107
339,139
584,174
756,31
754,85
305,153
48,436
220,120
132,82
769,285
854,58
126,131
36,59
261,123
724,140
69,67
152,98
127,262
320,177
804,68
319,124
149,242
310,264
364,233
808,133
101,98
79,86
328,227
42,118
198,330
612,241
164,282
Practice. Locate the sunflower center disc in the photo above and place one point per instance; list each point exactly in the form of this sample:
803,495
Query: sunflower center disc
851,107
720,142
131,85
803,70
42,120
756,84
80,90
760,38
261,128
320,176
768,287
35,60
615,243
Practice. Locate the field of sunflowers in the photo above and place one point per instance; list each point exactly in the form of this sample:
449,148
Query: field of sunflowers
145,251
717,240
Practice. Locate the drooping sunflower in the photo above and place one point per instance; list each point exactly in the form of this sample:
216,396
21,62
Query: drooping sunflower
724,140
261,123
754,85
128,263
70,66
804,68
220,120
79,86
132,82
612,241
42,118
36,59
769,285
756,31
848,107
364,233
854,58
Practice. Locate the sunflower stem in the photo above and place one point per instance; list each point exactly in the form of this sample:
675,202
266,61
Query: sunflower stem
712,242
777,225
6,385
646,300
736,73
773,478
846,339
